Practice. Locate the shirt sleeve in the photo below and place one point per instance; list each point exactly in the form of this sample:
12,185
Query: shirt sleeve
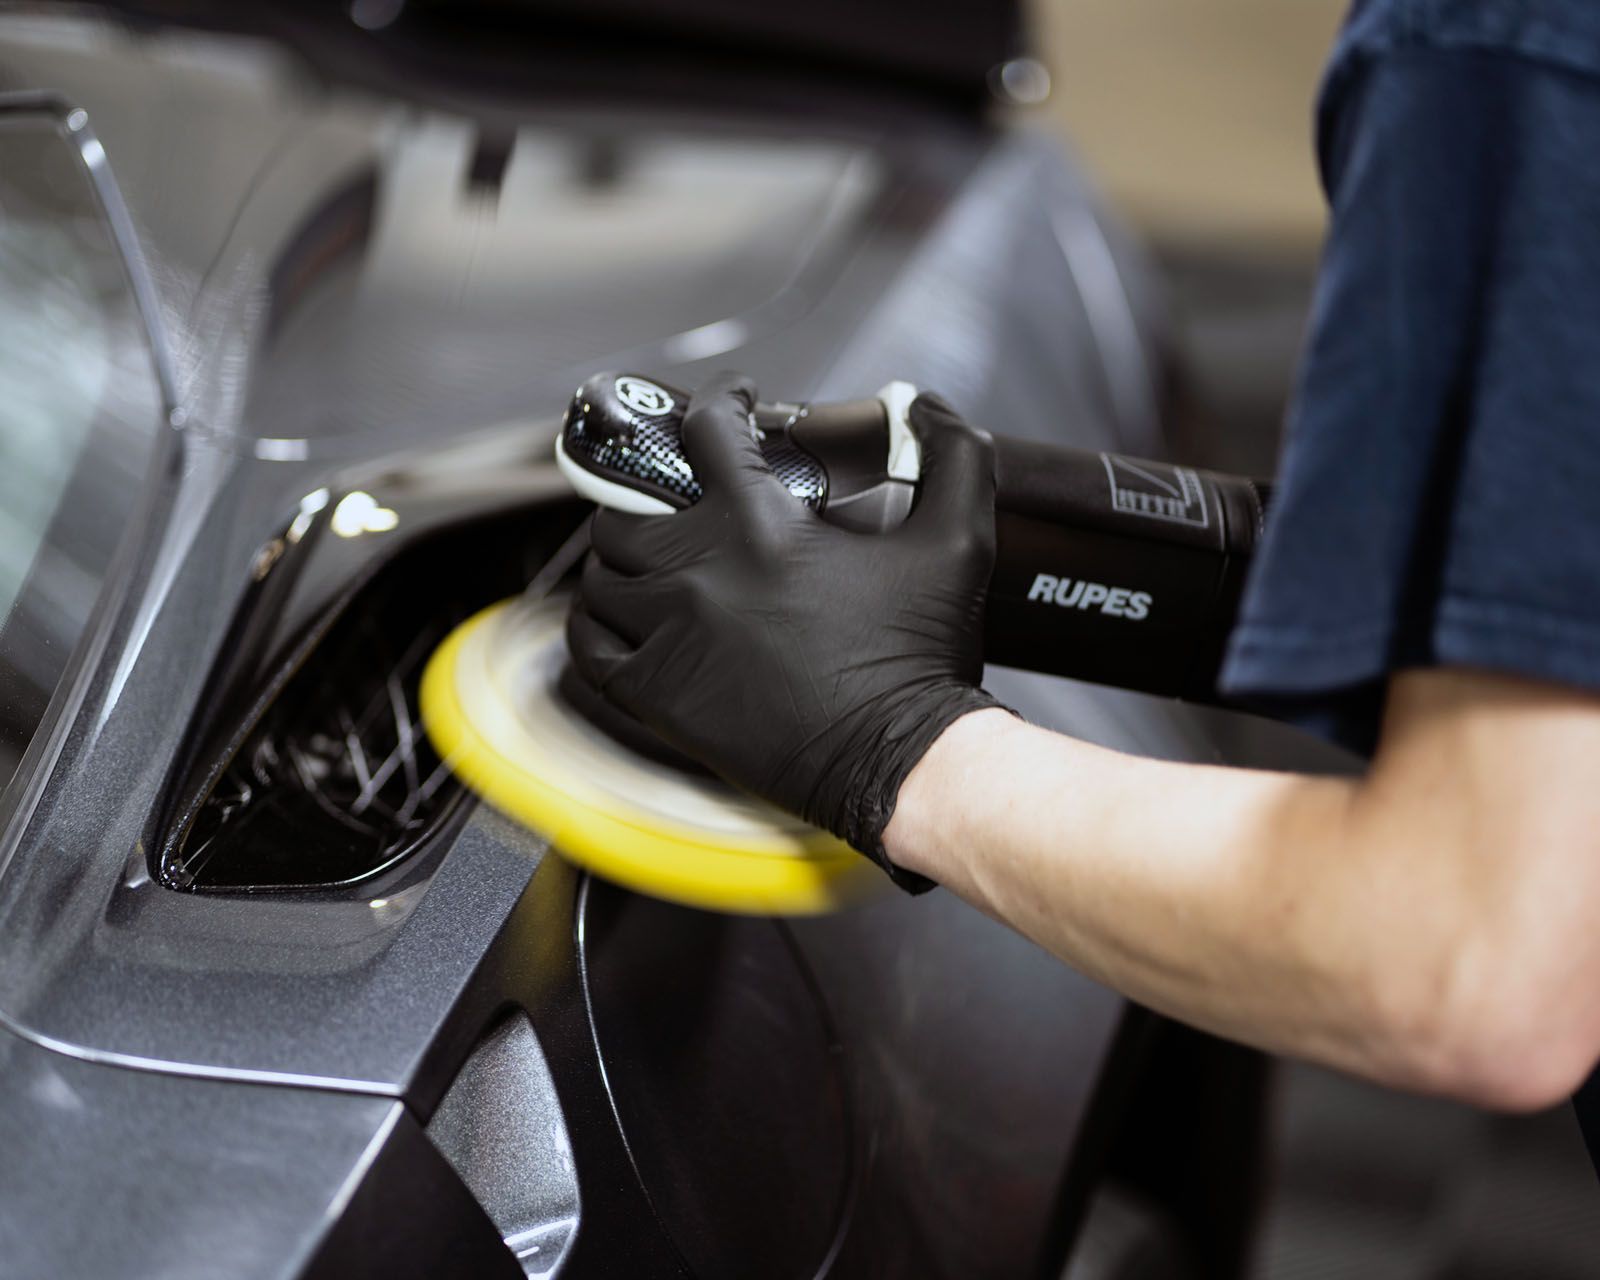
1439,501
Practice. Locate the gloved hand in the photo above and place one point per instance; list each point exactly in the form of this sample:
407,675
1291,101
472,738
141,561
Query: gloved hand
804,663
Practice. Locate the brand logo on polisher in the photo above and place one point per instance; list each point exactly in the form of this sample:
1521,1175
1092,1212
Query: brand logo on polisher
644,397
1075,593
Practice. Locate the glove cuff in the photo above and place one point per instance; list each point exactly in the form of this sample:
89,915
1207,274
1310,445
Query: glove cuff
877,790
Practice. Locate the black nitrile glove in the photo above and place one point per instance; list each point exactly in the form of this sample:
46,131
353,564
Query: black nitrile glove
804,663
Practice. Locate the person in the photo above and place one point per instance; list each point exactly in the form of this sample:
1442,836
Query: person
1428,589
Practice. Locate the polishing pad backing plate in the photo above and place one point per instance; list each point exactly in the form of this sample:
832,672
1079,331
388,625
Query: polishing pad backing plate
491,706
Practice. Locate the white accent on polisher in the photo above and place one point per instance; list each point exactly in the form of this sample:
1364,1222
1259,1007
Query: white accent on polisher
608,493
905,453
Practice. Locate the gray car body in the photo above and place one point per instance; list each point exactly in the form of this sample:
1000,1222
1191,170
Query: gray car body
205,1085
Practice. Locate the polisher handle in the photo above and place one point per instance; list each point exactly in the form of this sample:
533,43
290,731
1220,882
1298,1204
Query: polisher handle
856,463
1109,569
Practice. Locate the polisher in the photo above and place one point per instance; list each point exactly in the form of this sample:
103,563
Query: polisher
1109,569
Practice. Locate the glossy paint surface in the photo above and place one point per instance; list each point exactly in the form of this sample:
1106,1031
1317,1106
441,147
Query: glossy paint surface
394,297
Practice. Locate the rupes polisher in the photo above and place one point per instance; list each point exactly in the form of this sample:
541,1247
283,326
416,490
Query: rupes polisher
1109,569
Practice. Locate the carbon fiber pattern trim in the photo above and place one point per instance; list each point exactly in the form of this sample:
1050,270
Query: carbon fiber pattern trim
648,451
798,472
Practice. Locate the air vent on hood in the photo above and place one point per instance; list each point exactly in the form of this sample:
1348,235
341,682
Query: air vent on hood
334,781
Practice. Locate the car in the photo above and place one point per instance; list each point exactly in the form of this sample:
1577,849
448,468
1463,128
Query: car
293,301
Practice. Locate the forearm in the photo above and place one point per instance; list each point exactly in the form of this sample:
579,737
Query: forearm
1305,915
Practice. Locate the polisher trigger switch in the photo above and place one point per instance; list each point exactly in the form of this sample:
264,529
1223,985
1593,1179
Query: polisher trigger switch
855,463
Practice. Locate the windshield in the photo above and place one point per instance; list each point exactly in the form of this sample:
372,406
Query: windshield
80,411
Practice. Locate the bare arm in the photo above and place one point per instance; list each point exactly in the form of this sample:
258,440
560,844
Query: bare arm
1434,925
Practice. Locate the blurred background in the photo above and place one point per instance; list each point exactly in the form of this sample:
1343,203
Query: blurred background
1196,122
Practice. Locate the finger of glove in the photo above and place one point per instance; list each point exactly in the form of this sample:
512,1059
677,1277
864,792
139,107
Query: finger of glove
598,652
630,543
625,604
719,440
957,476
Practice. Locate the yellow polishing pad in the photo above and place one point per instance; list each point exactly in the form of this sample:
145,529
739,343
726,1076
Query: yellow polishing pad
491,707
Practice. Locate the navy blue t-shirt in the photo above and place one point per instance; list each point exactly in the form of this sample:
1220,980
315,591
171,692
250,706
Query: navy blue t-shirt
1439,501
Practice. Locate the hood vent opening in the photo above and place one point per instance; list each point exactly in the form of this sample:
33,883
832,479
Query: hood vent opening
335,781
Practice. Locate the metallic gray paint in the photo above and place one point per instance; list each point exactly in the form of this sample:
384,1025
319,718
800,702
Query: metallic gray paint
130,1173
86,959
501,1127
930,255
